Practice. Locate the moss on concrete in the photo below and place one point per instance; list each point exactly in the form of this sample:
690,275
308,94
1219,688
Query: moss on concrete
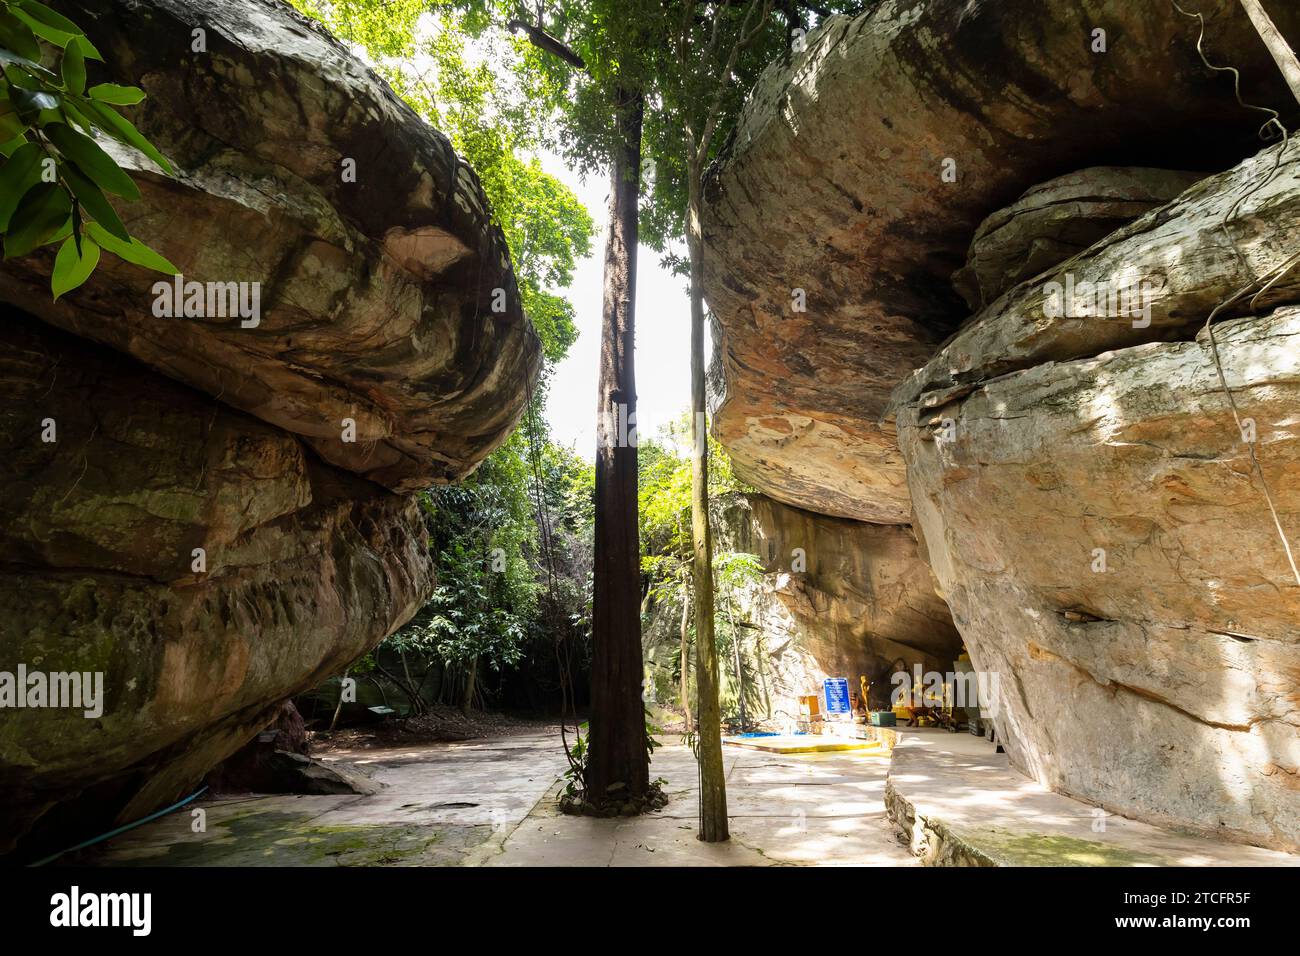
1041,849
280,838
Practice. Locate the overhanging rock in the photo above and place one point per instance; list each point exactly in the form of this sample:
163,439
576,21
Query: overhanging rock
183,513
370,239
834,185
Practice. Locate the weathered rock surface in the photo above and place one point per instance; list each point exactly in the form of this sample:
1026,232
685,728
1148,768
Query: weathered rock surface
833,184
1185,258
307,567
1056,220
1163,683
376,294
283,771
195,438
853,600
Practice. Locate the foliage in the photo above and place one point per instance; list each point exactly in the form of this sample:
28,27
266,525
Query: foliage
494,598
478,94
578,753
696,78
56,179
496,601
736,573
664,491
737,569
665,513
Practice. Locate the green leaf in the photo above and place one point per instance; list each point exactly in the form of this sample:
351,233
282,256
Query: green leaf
79,117
17,36
134,251
61,233
40,12
121,129
20,173
9,56
73,266
9,147
116,95
74,67
94,202
46,32
53,27
39,216
11,125
97,165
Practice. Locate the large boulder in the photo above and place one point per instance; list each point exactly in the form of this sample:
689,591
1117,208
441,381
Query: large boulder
299,169
862,596
1077,480
1056,220
1176,263
861,167
184,514
1107,549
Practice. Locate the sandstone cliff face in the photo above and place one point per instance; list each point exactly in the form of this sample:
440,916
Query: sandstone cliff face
134,444
834,184
1106,549
838,598
377,290
1077,481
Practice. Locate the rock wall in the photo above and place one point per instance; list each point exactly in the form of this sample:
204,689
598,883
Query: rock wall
376,289
1106,549
184,511
860,169
1088,504
838,598
1099,528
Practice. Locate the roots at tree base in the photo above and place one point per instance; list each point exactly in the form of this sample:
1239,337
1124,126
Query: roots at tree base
576,804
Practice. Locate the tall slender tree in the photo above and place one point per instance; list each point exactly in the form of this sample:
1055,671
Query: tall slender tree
592,51
712,52
691,62
618,748
705,53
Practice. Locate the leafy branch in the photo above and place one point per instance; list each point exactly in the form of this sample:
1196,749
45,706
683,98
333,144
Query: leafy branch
55,179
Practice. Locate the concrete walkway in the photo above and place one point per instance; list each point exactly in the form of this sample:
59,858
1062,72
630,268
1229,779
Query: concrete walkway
799,809
493,803
959,803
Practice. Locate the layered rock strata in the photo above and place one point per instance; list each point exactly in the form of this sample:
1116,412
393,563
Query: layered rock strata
208,510
1070,464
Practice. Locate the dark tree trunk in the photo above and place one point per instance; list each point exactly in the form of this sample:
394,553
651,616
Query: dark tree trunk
467,697
618,753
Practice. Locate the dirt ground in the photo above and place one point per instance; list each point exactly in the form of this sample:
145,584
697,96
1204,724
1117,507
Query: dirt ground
438,725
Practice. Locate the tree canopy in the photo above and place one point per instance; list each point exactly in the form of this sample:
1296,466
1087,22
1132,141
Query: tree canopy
470,81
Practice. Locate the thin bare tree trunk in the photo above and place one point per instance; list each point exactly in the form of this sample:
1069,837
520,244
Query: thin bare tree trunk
740,674
686,658
1276,43
713,785
467,699
338,708
617,740
417,704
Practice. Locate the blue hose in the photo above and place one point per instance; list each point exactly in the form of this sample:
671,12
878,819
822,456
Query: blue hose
122,829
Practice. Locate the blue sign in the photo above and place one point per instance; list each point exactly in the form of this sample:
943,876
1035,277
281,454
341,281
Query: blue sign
837,695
